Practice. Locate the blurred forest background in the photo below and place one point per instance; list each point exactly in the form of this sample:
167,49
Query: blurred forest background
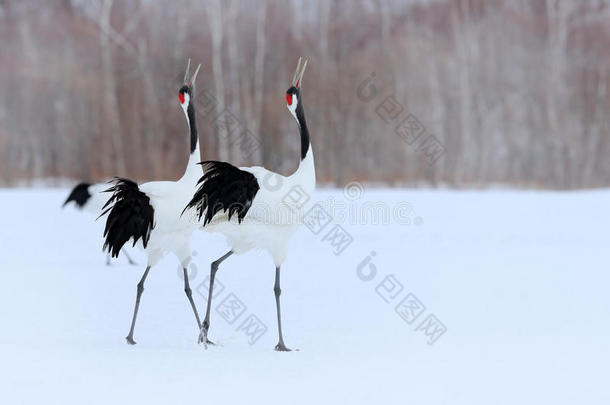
462,93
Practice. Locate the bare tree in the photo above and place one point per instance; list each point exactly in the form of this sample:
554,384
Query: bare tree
110,106
215,20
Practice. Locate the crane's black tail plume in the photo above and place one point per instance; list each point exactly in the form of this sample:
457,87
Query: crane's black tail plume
130,216
223,187
80,195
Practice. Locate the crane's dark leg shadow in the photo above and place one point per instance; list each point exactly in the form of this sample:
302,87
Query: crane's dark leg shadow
280,347
189,295
128,258
205,326
129,337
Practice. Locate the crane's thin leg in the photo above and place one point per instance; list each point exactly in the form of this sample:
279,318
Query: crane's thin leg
280,347
189,295
128,258
129,337
205,326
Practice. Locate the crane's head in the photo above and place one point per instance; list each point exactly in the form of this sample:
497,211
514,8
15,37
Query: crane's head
293,94
186,91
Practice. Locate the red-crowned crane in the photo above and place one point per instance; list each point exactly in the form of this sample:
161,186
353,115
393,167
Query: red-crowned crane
91,198
150,214
237,203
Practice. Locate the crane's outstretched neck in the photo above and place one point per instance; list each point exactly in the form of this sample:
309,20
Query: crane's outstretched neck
193,170
305,141
306,171
190,115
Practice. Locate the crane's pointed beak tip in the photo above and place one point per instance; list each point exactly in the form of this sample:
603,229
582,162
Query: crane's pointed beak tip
186,73
300,71
192,81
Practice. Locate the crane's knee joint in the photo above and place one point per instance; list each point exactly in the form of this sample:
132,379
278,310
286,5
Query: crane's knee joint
277,290
140,288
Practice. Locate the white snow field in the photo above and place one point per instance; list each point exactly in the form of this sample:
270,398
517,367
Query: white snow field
515,287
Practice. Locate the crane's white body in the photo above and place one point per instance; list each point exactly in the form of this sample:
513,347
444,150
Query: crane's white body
272,219
172,231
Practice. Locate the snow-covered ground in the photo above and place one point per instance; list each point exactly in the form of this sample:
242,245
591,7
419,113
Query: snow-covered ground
515,287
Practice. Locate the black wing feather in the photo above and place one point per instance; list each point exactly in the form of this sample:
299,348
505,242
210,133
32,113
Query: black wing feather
80,195
223,187
130,216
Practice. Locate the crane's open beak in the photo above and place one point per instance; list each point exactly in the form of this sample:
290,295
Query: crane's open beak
190,82
298,74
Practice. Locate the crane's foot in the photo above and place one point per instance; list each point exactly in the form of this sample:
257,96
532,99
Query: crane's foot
130,340
281,347
203,337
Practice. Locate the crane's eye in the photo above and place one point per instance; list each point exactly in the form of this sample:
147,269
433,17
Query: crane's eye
181,97
289,98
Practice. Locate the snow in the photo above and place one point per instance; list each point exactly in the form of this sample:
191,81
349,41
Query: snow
519,279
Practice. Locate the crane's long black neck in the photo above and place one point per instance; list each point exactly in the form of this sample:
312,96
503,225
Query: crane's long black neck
190,110
304,131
